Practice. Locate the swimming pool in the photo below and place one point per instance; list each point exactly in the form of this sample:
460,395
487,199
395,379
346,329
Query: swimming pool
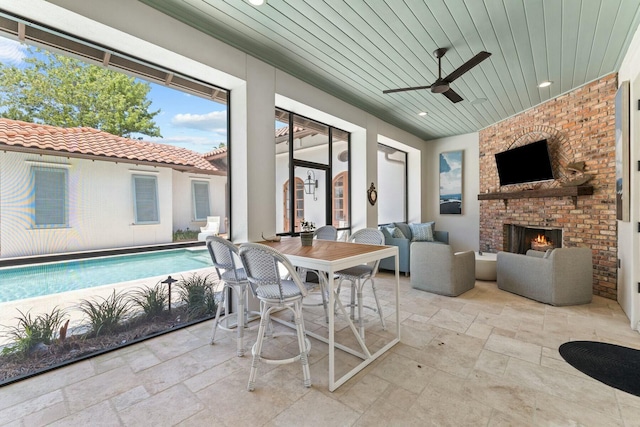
51,278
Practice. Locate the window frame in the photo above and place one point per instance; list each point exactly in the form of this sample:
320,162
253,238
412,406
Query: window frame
326,167
343,179
299,183
136,220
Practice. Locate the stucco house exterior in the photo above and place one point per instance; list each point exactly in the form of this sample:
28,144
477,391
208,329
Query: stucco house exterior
76,189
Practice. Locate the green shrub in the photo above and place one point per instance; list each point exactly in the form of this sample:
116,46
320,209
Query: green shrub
151,300
197,292
184,235
106,315
32,331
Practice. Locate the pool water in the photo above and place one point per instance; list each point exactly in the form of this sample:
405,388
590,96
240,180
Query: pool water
51,278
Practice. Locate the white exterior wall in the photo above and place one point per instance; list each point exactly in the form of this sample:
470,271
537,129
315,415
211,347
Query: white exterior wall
628,236
100,206
183,207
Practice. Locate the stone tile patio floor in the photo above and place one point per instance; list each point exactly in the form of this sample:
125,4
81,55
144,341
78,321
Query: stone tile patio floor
486,358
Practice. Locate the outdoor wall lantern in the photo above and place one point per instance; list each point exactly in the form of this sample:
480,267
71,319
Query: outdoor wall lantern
311,184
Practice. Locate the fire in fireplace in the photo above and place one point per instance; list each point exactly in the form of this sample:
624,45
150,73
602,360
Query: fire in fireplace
519,239
541,243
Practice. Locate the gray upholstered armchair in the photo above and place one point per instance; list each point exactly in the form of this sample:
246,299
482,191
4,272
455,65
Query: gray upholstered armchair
437,269
563,276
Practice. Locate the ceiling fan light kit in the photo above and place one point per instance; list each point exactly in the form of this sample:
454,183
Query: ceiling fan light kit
442,85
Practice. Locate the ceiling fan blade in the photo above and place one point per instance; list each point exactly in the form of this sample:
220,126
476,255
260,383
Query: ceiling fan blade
467,66
404,89
452,95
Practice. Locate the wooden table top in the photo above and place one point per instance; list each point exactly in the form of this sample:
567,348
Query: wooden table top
327,250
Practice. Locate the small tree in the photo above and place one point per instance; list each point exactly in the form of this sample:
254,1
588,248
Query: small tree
62,91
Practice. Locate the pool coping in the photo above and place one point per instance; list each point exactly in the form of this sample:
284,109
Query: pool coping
37,259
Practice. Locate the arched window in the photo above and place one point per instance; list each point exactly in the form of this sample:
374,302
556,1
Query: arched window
340,216
299,204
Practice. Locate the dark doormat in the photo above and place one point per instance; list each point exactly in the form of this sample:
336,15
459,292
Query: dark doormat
616,366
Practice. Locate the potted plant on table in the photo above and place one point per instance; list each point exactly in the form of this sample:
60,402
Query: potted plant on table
306,232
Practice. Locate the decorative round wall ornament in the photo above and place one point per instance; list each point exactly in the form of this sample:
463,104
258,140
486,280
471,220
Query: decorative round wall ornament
372,194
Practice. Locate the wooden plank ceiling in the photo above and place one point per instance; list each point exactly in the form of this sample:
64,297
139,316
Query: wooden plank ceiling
354,49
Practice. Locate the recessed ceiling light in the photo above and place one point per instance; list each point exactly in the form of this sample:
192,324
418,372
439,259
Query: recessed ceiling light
257,2
422,113
545,83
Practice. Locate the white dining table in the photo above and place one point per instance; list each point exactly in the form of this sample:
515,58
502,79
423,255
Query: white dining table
330,257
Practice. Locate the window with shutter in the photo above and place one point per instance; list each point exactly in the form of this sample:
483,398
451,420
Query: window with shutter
200,191
50,197
145,199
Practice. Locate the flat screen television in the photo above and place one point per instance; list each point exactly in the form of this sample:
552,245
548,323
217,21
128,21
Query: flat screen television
527,163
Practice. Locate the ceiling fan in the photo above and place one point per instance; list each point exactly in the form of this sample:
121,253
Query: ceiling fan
442,85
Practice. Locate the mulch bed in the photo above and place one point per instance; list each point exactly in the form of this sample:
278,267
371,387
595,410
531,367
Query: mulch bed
79,347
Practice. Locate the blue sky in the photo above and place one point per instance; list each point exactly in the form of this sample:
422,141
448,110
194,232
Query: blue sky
185,120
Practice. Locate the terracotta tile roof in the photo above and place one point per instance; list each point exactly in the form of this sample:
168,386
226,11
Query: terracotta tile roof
216,153
218,158
92,142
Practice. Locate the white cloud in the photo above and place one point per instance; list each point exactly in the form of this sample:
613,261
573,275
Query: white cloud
215,121
12,52
199,144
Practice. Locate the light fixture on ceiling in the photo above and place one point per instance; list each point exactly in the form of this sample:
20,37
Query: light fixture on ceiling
478,101
422,113
258,2
545,83
310,184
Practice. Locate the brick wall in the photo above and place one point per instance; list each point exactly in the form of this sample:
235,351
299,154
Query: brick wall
579,126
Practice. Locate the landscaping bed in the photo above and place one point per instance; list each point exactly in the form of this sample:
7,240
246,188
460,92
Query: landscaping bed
41,342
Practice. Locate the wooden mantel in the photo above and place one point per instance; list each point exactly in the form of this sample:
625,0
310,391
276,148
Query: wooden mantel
573,192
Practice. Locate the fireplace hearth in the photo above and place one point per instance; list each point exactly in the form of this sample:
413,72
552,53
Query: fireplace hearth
519,239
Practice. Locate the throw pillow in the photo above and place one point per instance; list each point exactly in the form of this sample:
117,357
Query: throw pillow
422,232
396,233
385,232
404,227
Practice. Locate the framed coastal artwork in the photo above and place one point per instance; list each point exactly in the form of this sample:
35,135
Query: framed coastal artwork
622,152
451,182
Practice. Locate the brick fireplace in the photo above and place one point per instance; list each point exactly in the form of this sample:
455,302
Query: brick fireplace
579,127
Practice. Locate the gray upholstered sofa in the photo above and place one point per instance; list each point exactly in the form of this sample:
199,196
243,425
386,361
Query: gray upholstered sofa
562,276
404,246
